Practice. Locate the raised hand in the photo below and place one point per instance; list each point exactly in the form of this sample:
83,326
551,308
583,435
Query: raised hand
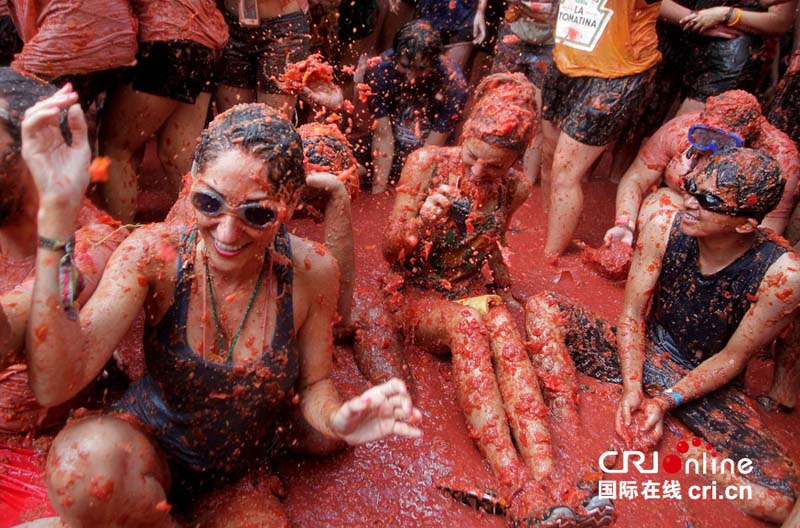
324,182
478,28
437,204
60,171
383,410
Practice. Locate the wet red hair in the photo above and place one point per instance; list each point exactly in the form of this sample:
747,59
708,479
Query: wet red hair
505,112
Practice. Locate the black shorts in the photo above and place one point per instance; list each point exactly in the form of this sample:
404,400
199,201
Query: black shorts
714,65
178,69
514,55
90,85
255,58
593,110
725,418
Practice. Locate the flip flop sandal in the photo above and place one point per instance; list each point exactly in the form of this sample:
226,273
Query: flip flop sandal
599,512
556,517
485,500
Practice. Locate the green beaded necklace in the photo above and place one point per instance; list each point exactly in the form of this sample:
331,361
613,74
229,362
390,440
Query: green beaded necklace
250,303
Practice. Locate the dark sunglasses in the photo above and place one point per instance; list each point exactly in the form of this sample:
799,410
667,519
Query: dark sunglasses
711,202
709,139
212,204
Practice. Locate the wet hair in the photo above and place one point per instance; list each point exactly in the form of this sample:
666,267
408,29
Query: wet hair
261,131
734,111
504,113
752,177
417,39
20,92
326,148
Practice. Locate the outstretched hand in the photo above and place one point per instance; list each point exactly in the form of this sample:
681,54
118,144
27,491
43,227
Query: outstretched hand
383,410
60,171
618,232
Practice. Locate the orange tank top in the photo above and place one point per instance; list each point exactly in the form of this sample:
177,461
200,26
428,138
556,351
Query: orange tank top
606,38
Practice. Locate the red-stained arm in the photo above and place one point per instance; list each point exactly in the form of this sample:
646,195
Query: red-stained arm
95,243
63,356
776,21
403,231
338,235
672,12
317,281
382,154
642,280
382,410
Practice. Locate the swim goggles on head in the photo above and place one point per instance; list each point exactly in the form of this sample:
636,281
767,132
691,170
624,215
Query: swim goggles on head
708,139
212,204
712,202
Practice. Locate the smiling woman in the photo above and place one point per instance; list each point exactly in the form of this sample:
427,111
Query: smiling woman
207,410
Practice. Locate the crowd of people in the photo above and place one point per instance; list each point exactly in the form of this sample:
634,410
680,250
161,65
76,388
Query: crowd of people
221,323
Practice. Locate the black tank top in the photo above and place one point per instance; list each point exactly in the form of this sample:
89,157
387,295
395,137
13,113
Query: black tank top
697,314
207,416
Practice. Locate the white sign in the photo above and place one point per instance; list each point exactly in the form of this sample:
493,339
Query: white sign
581,23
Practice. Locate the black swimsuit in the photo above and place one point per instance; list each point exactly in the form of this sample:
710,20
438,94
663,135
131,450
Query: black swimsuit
214,420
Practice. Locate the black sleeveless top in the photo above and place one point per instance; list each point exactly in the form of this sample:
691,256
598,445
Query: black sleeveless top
207,416
697,314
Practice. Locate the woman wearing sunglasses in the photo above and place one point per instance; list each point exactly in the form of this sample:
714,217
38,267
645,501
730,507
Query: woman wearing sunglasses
239,321
684,144
707,291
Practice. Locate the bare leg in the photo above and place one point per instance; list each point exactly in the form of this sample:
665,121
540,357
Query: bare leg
436,323
525,408
177,139
571,161
102,471
532,160
377,353
764,503
550,357
794,518
690,105
792,232
280,102
392,22
229,96
624,154
459,53
787,369
550,133
248,502
132,118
